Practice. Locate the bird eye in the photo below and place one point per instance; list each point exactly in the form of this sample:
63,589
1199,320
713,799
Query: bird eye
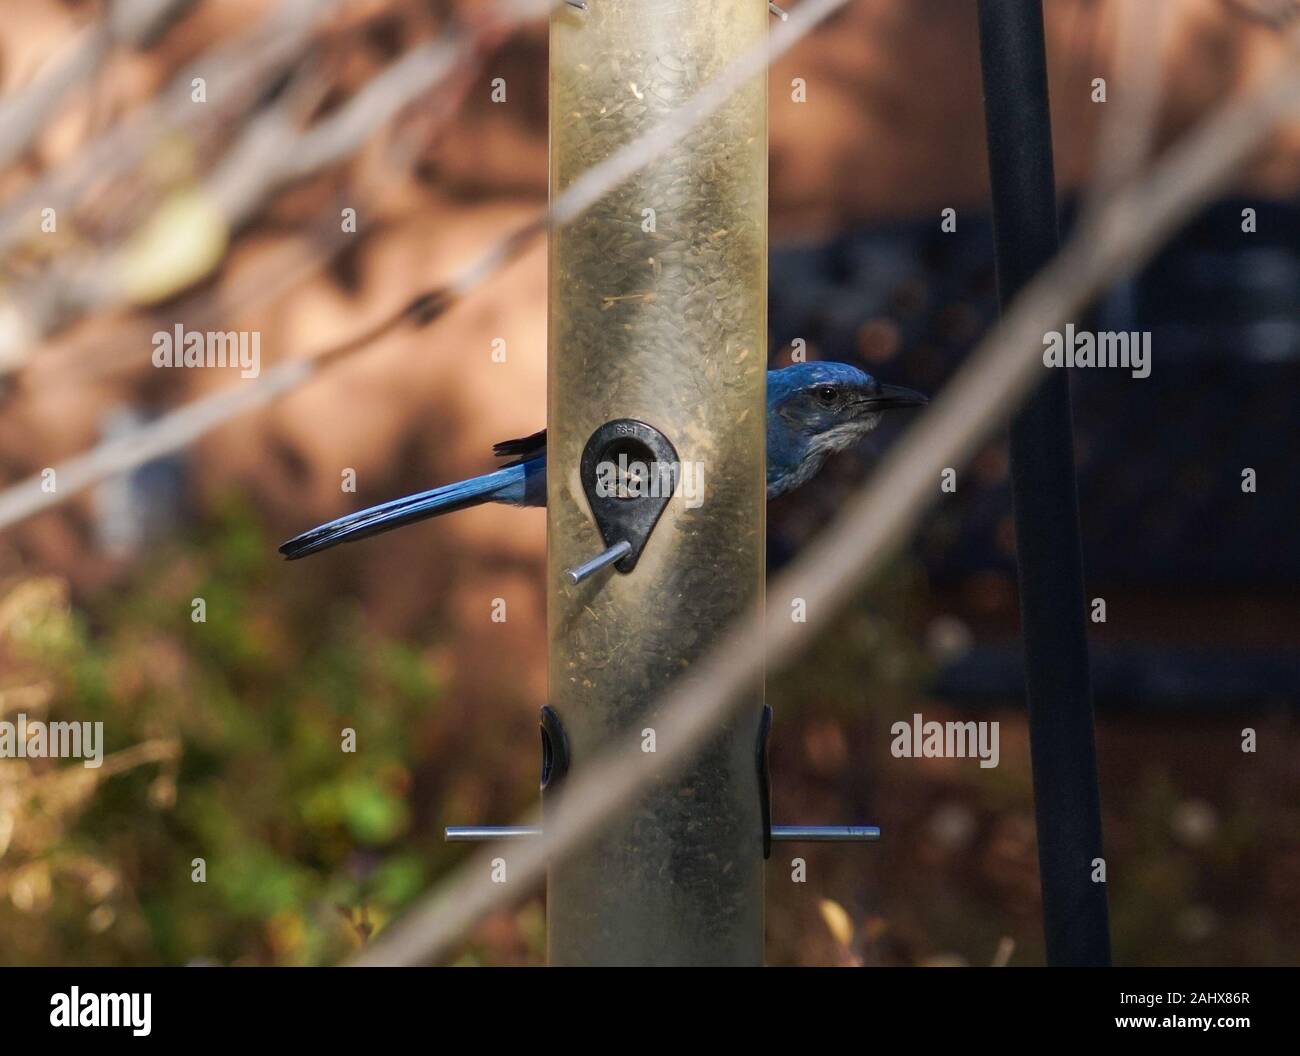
826,394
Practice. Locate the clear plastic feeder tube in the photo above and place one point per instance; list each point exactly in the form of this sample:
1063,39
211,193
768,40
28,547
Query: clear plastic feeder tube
658,301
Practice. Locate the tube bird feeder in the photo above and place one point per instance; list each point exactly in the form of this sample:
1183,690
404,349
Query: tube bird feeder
656,384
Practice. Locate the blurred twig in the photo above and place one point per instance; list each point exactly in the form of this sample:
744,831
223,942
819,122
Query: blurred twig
271,152
276,272
128,22
1128,128
22,116
234,72
169,433
1276,14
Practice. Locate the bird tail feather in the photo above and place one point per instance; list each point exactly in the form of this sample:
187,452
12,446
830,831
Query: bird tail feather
491,487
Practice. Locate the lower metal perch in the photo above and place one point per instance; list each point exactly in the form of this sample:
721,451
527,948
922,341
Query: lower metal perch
783,833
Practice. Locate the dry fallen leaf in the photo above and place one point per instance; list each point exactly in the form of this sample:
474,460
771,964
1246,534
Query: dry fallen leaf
837,921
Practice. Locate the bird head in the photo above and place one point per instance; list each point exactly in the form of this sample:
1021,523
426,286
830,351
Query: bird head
815,409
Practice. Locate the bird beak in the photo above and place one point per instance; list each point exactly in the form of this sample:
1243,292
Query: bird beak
891,397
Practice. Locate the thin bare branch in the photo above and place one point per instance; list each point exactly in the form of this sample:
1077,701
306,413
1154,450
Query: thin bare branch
272,152
235,72
25,114
171,432
129,22
1132,108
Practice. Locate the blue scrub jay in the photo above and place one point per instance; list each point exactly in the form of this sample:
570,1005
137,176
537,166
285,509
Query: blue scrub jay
813,409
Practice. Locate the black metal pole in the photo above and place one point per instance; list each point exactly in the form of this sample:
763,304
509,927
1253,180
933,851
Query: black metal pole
1066,804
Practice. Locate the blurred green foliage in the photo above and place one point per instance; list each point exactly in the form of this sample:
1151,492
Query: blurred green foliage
242,719
224,741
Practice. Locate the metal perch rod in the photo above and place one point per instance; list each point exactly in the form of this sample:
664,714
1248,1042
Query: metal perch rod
780,833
